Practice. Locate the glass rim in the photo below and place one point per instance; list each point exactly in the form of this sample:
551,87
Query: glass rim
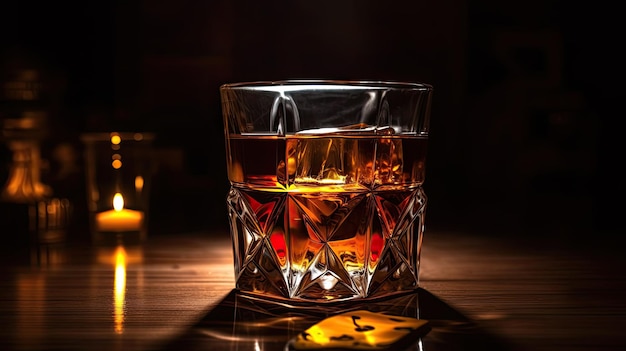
325,84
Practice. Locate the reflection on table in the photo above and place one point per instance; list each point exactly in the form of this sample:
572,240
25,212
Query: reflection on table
242,322
176,292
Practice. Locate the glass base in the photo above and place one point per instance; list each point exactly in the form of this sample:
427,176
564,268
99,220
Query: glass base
325,248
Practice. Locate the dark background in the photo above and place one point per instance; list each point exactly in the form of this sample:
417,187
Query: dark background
526,117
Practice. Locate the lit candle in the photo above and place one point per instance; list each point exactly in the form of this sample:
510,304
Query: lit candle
119,219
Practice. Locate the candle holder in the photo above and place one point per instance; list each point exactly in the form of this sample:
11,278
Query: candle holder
119,168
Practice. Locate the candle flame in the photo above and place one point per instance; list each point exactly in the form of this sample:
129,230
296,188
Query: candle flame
118,202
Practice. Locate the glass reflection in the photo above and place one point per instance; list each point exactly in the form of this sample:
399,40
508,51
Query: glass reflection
243,322
121,257
119,289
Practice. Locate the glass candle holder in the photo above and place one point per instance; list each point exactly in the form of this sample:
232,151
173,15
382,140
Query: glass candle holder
119,168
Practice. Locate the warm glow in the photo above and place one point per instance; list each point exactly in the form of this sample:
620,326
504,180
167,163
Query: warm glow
108,254
115,139
119,289
280,246
376,247
318,335
118,202
369,330
117,161
138,183
119,219
117,164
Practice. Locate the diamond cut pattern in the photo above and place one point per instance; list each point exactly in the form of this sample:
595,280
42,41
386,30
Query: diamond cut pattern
339,247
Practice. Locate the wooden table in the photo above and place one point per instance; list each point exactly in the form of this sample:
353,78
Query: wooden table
479,292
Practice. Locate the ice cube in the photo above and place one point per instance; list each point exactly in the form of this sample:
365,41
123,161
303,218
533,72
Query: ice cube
322,160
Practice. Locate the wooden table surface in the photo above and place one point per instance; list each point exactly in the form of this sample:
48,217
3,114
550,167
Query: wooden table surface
479,292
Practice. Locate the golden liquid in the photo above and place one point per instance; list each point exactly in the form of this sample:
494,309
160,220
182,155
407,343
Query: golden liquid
326,205
294,162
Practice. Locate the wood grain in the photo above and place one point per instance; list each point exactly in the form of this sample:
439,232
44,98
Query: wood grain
535,295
